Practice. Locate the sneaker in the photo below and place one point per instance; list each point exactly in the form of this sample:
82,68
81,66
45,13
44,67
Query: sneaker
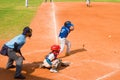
53,70
20,77
10,67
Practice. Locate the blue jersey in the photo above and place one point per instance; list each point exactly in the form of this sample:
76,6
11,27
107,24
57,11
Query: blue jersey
20,40
64,32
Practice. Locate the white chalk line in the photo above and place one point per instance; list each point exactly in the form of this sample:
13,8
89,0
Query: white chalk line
99,62
108,75
95,61
54,22
113,65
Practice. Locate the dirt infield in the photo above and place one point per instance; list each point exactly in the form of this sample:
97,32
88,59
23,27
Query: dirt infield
96,27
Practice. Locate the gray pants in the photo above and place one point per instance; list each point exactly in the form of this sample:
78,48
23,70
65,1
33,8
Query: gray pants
18,59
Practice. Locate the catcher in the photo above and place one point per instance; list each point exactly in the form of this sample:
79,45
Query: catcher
51,61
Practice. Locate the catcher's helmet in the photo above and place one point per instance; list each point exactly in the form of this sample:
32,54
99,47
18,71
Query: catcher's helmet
55,48
27,30
68,24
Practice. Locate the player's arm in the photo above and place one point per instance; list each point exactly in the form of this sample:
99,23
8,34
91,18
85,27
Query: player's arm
71,28
17,49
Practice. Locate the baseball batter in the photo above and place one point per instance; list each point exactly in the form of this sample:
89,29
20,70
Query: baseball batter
65,30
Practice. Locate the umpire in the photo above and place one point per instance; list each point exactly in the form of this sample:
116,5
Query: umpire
14,52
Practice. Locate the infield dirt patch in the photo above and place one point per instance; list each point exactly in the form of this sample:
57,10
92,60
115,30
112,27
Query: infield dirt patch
97,27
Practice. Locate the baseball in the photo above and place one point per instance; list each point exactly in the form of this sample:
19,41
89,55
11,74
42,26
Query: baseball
109,36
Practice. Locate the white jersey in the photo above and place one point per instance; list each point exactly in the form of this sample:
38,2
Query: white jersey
51,57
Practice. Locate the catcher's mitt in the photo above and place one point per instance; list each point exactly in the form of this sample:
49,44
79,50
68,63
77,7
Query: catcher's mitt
65,64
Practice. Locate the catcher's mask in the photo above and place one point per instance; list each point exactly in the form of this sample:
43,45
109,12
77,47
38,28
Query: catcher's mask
27,31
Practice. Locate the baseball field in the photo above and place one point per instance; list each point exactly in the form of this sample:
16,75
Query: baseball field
96,27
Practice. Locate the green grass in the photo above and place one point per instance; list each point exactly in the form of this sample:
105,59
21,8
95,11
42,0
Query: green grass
85,0
105,0
14,15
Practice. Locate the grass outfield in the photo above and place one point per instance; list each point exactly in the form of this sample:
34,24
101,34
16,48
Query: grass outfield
85,0
14,15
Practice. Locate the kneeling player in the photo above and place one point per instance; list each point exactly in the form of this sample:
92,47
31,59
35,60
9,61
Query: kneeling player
51,61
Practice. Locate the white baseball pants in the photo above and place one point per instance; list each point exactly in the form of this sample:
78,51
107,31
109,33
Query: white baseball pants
63,42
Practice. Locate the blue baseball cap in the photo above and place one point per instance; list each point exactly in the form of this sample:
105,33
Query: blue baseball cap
68,24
